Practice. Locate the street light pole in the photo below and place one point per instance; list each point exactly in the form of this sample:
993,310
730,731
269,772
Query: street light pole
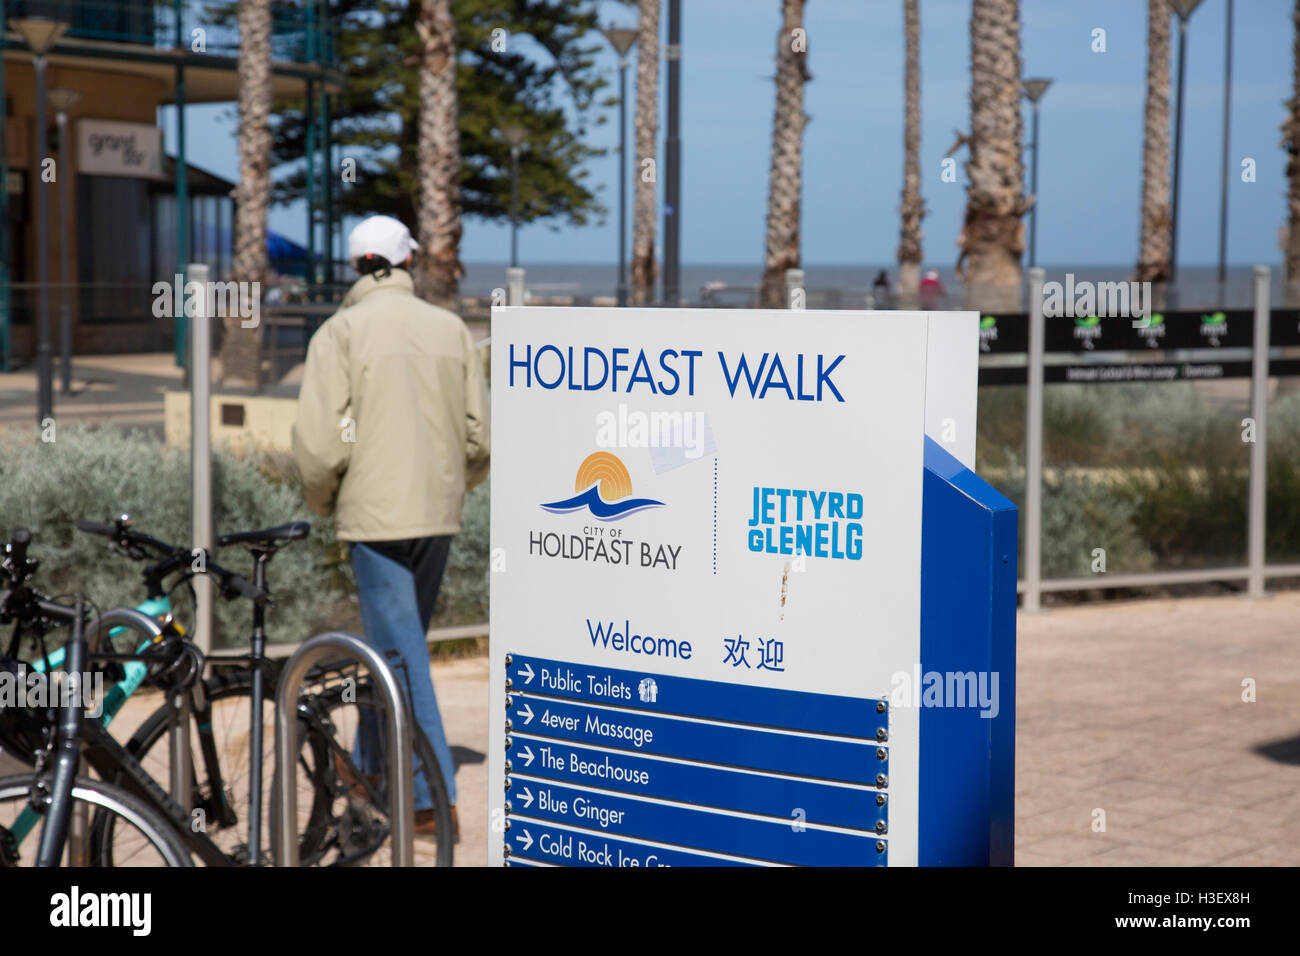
63,101
1227,130
514,206
44,356
673,159
1184,9
1034,90
621,39
515,136
40,35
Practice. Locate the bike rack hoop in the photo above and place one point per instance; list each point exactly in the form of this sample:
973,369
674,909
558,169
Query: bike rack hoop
401,796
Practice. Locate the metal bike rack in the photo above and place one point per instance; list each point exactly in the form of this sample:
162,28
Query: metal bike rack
179,722
401,796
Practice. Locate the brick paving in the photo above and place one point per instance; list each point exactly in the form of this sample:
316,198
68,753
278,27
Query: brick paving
1135,709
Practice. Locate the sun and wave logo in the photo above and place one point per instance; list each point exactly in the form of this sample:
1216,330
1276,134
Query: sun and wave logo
604,488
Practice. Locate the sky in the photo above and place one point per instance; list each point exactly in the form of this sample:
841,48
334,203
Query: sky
1090,129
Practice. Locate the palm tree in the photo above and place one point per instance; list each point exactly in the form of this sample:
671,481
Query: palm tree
1291,142
1153,242
647,128
912,208
240,347
786,180
993,235
437,268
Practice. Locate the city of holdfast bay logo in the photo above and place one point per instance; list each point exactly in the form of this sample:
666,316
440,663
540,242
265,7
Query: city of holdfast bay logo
604,488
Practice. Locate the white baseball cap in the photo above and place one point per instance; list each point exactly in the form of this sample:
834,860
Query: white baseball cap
381,236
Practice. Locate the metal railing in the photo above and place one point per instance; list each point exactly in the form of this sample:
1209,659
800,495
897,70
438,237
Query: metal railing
1254,572
401,785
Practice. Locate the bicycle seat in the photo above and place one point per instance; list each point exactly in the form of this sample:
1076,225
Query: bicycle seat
267,537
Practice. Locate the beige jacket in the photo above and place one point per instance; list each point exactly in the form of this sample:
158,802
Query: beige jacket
392,425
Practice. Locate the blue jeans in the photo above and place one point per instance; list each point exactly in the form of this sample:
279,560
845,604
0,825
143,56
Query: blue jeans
395,618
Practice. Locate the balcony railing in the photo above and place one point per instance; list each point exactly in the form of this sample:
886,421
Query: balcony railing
298,34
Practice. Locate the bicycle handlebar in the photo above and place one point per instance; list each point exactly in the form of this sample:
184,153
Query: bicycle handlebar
173,558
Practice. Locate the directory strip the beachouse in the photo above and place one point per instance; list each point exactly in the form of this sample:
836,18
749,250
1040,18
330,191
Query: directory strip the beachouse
699,616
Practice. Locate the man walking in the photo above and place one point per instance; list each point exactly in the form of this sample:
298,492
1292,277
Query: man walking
392,431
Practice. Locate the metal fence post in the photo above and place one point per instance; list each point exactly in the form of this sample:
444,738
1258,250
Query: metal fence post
514,286
401,792
1034,445
201,447
795,297
1256,509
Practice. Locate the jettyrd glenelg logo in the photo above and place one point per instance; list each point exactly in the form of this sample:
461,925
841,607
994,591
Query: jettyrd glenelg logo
604,497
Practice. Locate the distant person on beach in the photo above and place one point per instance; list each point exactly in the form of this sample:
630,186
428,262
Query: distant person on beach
880,290
932,290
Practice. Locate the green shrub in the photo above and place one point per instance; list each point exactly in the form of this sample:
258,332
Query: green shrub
101,471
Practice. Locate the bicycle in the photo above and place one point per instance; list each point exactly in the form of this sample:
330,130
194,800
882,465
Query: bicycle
53,794
343,820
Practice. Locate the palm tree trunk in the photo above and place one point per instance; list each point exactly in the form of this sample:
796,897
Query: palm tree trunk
647,128
1153,242
241,347
437,268
912,209
1291,142
786,181
993,236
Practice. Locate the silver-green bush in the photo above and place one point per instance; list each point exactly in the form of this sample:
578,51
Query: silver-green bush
101,471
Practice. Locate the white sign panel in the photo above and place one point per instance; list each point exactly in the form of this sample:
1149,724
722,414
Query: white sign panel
706,545
110,148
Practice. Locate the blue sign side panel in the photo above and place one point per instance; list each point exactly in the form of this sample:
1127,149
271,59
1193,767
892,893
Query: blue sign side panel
851,761
691,697
783,797
968,600
530,840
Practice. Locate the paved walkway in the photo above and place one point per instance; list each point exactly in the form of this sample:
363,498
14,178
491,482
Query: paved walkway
1136,709
122,389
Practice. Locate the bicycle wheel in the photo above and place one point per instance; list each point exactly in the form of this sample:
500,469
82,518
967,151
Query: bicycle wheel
221,759
144,837
359,821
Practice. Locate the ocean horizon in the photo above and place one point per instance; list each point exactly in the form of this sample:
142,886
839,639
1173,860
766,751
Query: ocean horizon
1198,285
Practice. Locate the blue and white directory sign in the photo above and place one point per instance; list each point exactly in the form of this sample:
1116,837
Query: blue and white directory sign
709,645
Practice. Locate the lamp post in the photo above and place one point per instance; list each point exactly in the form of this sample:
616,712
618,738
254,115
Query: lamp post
515,136
1034,88
1184,9
40,35
64,100
621,39
1227,129
673,159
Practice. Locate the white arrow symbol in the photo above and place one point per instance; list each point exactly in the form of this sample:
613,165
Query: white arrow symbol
527,754
525,838
528,674
527,796
527,713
